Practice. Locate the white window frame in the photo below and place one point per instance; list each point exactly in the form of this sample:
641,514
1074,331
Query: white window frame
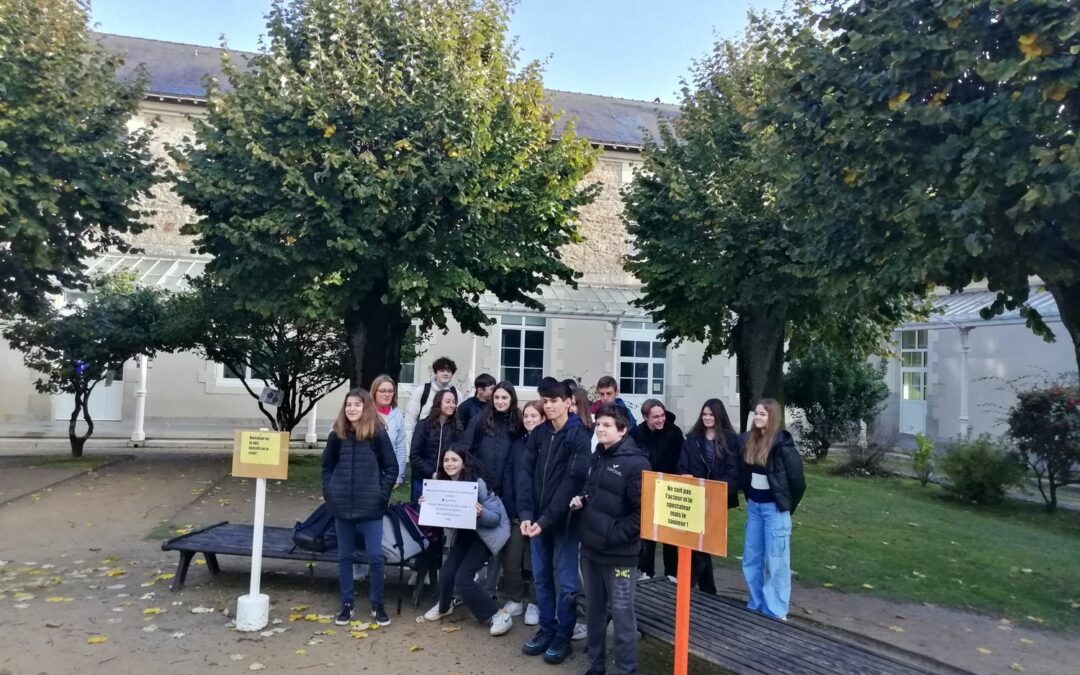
524,324
914,360
226,381
636,332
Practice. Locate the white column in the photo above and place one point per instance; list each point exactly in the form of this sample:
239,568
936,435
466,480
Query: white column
138,434
472,362
615,349
965,350
312,425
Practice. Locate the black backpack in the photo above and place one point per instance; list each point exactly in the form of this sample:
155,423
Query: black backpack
317,532
427,392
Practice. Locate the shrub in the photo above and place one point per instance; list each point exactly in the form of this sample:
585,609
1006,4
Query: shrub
867,459
922,460
834,390
980,470
1045,424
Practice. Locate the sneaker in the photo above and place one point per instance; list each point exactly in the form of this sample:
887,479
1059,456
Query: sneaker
380,615
501,623
457,602
643,577
532,615
345,616
672,579
513,608
359,572
581,631
434,614
413,578
539,643
559,650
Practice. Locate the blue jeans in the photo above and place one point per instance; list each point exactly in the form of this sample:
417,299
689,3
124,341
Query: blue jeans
555,580
767,558
371,533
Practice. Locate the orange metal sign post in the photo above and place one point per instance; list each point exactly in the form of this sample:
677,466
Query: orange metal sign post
690,513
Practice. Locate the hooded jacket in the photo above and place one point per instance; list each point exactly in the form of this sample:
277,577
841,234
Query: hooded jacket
663,447
724,466
552,472
611,520
492,524
492,450
358,475
784,469
428,444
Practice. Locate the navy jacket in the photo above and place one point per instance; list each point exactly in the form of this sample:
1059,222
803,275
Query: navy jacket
552,472
611,520
357,476
663,447
724,465
784,469
492,450
469,410
429,441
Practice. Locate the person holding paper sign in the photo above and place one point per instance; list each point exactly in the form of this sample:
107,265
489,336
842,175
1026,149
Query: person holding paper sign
470,549
771,477
358,472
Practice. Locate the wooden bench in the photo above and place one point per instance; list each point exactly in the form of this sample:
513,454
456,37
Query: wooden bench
727,634
233,539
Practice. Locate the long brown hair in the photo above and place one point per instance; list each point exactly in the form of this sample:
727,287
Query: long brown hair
512,416
582,402
436,410
365,428
759,442
382,379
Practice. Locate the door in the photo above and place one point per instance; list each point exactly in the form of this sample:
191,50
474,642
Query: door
913,380
642,366
106,401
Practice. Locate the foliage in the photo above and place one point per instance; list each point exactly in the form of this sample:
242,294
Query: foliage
936,141
866,456
922,460
835,390
78,347
302,358
1045,424
71,173
383,161
980,470
716,252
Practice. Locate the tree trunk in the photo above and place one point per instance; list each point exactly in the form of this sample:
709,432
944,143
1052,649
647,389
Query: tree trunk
82,404
759,354
1067,297
375,332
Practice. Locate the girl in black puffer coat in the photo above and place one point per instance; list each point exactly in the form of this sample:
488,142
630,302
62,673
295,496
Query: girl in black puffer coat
359,469
434,435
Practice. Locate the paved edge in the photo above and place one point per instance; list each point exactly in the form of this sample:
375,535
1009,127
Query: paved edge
105,465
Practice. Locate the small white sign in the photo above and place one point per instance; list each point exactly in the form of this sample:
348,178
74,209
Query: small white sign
449,503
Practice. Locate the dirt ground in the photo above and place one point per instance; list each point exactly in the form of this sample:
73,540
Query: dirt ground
80,561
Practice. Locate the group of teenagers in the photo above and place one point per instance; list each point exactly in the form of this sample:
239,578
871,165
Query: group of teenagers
559,495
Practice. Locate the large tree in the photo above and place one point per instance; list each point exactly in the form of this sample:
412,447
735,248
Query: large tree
383,161
721,261
71,173
940,139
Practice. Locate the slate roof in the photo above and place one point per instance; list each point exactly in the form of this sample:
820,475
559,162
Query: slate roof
179,70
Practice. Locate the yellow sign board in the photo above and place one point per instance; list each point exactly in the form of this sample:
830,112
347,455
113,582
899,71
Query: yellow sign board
260,454
680,506
260,447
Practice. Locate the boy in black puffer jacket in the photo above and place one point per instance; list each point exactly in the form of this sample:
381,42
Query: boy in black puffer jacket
611,539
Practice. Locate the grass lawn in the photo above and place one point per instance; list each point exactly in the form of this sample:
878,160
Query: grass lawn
892,538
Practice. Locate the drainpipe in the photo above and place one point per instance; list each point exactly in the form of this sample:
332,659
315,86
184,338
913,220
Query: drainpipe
965,350
138,434
312,436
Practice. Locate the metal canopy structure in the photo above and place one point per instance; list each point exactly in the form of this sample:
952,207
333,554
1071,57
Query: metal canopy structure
166,273
586,302
960,309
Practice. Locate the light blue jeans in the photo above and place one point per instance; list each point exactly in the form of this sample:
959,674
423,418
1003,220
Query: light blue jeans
766,560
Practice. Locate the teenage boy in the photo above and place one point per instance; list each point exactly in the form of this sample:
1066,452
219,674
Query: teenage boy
420,402
483,385
551,473
662,441
607,391
611,539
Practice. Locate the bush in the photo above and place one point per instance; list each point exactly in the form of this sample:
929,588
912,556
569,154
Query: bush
1045,424
834,390
922,460
867,459
980,470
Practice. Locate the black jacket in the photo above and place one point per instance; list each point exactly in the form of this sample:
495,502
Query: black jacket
552,472
469,410
493,451
511,476
611,520
663,447
724,466
429,441
357,476
784,469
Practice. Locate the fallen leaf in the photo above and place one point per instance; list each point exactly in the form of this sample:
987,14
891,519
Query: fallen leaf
827,584
358,634
296,617
451,629
831,567
360,625
237,657
202,610
256,666
301,651
97,639
115,572
868,586
1026,570
52,624
177,634
150,629
153,610
58,598
200,562
1027,641
415,648
896,629
1017,667
298,608
984,650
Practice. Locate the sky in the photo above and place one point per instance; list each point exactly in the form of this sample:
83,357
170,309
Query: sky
627,48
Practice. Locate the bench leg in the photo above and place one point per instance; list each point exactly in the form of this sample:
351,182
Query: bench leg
182,570
401,585
212,564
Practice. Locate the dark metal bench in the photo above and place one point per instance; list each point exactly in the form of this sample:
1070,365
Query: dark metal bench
232,539
727,634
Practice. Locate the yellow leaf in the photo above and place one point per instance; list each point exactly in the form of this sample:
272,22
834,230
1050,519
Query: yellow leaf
325,620
358,634
97,639
935,102
24,596
867,585
896,629
153,610
165,577
1027,641
295,617
899,100
1017,667
298,608
415,648
1058,92
329,631
311,617
329,131
301,651
1028,38
55,598
451,629
116,572
983,650
827,584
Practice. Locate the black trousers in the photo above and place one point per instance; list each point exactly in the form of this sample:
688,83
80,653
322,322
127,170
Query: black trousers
647,559
467,555
701,572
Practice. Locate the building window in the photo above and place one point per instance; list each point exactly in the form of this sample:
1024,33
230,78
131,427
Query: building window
230,376
410,349
642,365
522,352
913,363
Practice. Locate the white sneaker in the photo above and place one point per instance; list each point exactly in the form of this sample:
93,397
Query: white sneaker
672,579
359,571
413,578
643,577
513,608
501,623
434,614
581,631
532,615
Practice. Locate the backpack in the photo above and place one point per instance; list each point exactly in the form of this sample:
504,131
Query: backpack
427,392
402,538
317,532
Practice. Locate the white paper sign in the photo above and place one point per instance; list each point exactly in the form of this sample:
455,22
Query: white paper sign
449,503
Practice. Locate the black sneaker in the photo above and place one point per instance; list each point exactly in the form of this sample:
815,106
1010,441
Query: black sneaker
559,651
345,616
539,643
380,615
